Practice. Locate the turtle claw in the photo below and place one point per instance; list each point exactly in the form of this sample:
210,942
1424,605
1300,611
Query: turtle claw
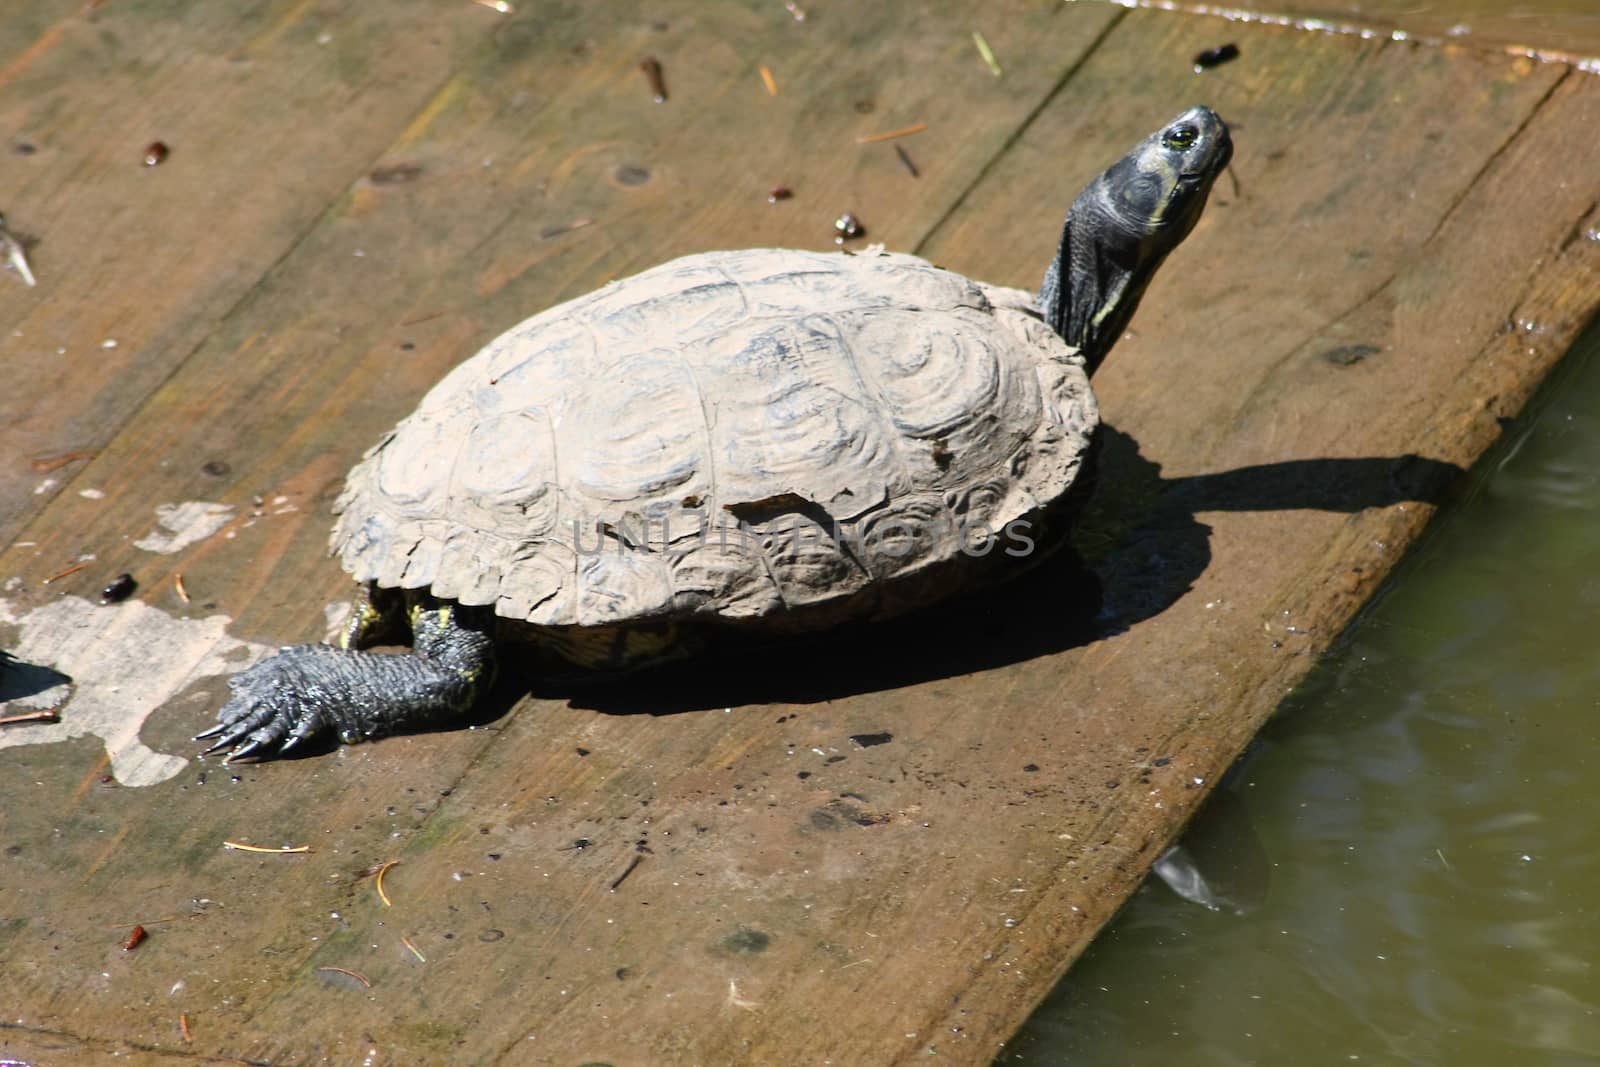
308,691
233,733
270,707
248,749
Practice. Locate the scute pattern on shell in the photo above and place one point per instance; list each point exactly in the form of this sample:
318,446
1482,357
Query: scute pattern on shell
690,441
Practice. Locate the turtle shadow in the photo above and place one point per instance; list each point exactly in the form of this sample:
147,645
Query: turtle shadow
19,678
1136,549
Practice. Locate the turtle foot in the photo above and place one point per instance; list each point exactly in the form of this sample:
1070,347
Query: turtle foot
307,691
282,701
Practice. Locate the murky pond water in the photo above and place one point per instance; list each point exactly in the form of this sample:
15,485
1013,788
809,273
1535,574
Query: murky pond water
1410,854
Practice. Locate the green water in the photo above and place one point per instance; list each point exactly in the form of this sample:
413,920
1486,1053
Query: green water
1414,842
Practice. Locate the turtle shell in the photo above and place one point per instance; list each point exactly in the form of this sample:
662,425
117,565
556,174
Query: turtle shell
757,437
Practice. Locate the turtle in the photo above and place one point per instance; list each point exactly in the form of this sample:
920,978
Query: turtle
760,442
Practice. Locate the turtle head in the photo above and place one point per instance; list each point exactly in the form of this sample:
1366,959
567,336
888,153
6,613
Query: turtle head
1123,225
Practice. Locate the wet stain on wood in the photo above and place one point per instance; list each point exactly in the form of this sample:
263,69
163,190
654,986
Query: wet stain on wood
1350,355
747,941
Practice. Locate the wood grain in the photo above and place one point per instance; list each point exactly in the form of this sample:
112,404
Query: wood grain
269,111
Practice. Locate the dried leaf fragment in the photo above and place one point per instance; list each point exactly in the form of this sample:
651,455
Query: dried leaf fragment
16,256
652,72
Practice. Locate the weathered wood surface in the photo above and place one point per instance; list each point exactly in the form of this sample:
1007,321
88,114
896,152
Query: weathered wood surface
269,110
1395,272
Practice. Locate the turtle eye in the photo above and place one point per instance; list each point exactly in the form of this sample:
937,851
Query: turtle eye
1179,137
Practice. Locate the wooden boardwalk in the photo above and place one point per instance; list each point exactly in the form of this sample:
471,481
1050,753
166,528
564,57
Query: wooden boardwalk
355,196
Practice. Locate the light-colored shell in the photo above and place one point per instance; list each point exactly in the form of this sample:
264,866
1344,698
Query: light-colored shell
735,434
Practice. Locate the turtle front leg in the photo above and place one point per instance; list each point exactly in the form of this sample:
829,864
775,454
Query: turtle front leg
306,690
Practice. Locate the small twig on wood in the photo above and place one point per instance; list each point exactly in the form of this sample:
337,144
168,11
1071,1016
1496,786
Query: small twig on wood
183,1027
740,1002
406,941
152,922
58,575
652,73
557,231
906,159
241,847
904,131
377,882
769,81
46,464
363,979
31,716
987,53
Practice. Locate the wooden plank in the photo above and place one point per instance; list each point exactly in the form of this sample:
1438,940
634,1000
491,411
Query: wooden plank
27,34
1376,297
803,897
561,117
269,110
